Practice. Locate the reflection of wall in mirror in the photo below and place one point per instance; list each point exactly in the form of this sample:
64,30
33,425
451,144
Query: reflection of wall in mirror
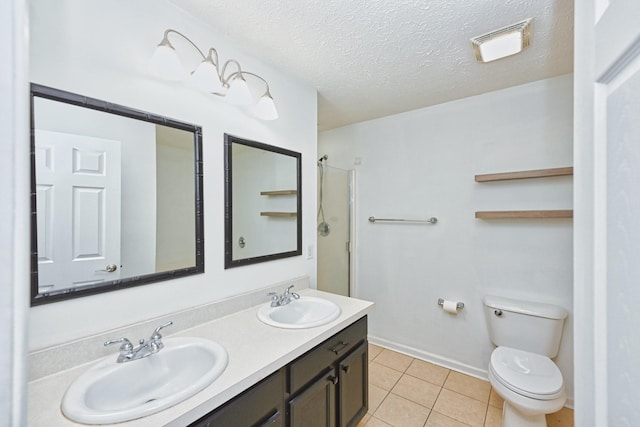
176,221
255,170
138,216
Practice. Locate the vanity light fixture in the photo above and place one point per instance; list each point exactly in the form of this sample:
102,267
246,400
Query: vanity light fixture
212,77
504,42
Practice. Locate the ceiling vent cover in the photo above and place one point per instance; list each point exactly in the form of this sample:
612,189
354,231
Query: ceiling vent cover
504,42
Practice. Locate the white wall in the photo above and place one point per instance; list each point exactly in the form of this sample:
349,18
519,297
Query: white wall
421,164
101,49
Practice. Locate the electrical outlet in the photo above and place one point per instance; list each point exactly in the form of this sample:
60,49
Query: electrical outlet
310,252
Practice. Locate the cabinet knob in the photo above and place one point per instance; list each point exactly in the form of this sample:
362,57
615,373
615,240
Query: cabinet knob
334,380
345,368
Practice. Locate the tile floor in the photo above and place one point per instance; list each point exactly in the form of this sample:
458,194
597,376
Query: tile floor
407,392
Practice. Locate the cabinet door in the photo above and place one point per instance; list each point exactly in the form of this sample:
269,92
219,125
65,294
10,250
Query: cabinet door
353,382
315,405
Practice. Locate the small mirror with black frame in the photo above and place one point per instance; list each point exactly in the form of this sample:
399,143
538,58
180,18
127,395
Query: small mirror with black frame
116,197
263,203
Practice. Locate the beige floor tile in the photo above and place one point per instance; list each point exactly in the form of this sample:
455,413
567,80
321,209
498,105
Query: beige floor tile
376,396
428,371
377,422
374,351
469,386
383,376
494,417
462,408
400,412
562,418
394,360
417,390
364,420
436,419
495,399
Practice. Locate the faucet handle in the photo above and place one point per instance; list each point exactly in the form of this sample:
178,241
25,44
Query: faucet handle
126,349
156,333
126,344
288,292
155,342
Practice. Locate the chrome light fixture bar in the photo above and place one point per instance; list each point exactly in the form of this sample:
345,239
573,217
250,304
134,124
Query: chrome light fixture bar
212,77
503,42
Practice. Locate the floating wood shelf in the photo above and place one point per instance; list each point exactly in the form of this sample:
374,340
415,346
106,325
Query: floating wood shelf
280,214
524,214
538,173
279,193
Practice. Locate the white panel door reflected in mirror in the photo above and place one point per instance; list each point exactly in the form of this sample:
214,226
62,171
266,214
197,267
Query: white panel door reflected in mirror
78,185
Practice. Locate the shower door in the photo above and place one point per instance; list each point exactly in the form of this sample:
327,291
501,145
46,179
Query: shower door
334,209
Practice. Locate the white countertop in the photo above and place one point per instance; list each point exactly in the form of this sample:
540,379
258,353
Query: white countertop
255,351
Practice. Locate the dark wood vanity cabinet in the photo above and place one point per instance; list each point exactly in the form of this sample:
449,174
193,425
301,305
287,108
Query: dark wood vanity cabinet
260,406
328,385
325,387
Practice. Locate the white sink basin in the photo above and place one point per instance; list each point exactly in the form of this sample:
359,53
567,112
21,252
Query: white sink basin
113,392
306,312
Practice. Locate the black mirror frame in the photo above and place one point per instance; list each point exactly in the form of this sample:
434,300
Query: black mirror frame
114,285
229,262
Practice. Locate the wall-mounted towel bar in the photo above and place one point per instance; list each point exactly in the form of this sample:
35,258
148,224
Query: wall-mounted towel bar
431,220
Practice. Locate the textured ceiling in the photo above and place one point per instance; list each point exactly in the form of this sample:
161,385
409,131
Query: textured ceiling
373,58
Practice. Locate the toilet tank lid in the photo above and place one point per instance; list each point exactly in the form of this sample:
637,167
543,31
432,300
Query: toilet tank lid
532,308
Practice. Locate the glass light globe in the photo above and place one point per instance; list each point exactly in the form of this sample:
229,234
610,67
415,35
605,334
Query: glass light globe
205,77
165,63
265,109
239,93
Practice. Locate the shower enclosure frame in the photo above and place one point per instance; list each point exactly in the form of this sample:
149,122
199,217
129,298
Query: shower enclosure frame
351,249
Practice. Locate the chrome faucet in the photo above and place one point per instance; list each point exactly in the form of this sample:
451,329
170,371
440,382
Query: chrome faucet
284,299
128,352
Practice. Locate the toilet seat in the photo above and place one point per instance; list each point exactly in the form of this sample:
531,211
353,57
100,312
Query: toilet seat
528,374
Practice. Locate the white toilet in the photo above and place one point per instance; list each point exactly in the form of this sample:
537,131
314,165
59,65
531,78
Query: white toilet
521,370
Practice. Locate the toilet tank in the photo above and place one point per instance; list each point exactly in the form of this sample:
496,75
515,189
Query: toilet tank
525,325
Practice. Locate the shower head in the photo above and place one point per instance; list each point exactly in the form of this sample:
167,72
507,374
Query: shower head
325,157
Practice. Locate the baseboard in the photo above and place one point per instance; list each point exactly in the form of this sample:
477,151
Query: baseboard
431,358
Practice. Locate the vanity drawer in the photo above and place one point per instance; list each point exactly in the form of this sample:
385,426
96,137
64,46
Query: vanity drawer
308,366
260,406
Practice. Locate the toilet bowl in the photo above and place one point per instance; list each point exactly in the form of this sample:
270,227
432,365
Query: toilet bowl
530,384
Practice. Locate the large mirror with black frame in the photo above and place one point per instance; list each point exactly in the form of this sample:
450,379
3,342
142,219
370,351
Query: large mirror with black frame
263,204
116,197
